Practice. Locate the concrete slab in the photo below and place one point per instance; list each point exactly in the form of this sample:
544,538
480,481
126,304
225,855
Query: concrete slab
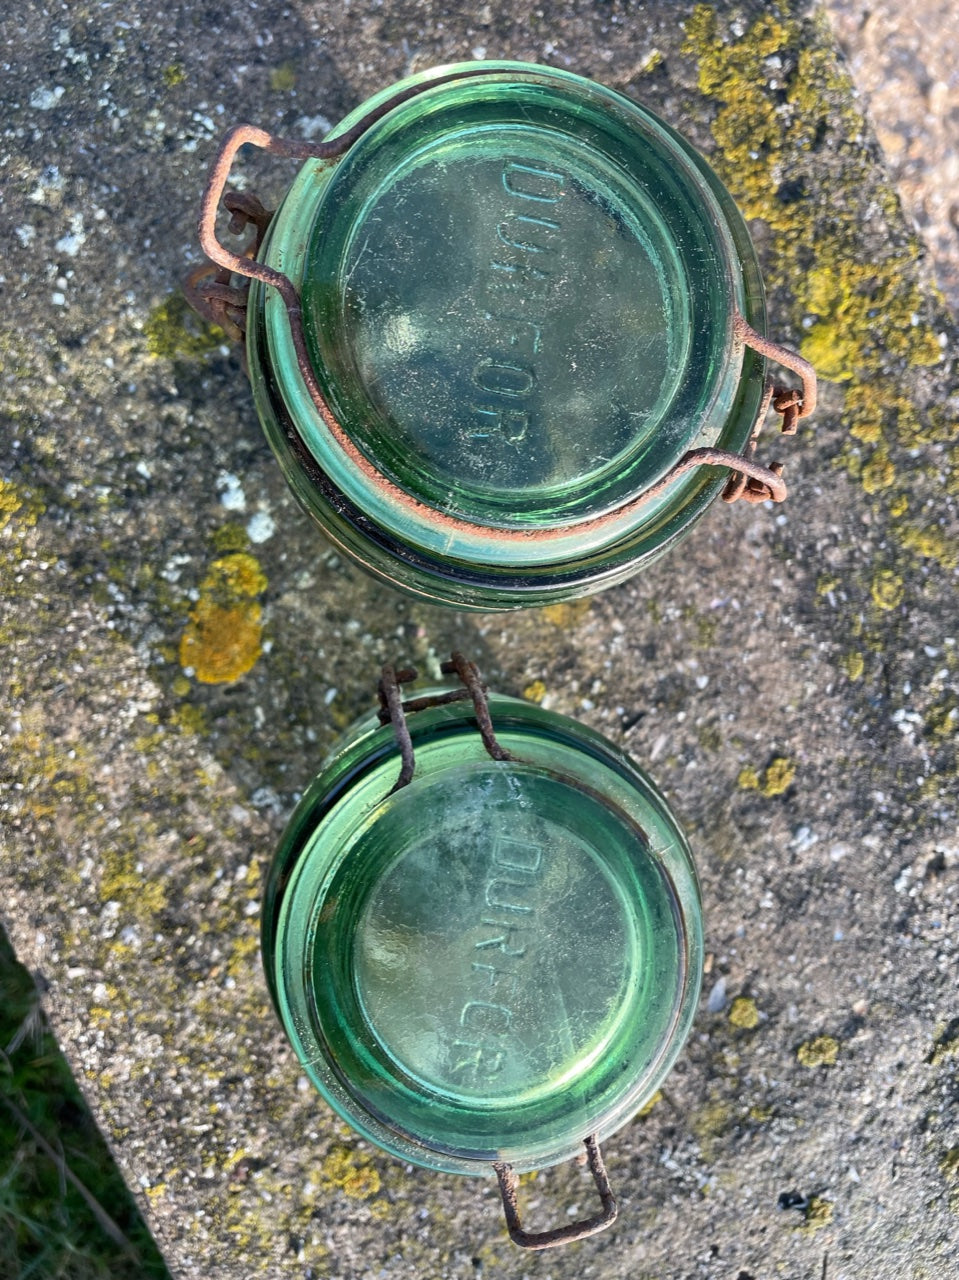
788,675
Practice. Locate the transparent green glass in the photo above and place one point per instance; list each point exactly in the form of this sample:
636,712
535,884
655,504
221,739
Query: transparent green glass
518,293
495,961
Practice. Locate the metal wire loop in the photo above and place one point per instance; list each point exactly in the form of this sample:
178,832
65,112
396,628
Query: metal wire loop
394,709
573,1231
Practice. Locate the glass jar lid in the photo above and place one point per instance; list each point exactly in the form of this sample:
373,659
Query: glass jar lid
505,334
519,291
495,960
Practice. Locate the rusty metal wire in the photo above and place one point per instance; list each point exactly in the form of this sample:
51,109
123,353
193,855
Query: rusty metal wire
391,705
469,675
394,709
573,1231
209,288
748,480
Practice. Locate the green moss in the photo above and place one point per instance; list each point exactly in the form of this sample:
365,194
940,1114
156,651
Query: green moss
174,331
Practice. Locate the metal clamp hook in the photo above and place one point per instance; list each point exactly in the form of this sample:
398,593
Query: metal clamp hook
559,1235
393,709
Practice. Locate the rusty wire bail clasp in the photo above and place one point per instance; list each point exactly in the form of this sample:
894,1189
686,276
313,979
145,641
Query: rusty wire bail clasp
394,710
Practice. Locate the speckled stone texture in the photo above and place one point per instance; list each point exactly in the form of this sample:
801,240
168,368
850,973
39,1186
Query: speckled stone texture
905,61
789,675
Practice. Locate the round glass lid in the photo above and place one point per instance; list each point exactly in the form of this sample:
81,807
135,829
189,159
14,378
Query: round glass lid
491,963
518,294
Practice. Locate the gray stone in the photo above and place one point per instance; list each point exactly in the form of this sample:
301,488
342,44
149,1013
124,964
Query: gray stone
788,675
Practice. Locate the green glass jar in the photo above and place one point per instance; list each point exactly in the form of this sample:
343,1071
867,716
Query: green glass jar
505,335
490,959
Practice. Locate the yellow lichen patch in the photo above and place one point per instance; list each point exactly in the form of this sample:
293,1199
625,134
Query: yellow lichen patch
567,615
648,1105
879,472
858,310
821,1051
181,685
887,589
17,504
743,1013
854,665
174,331
244,952
173,75
189,718
748,779
222,639
932,544
818,1214
899,505
943,720
709,1124
283,78
535,692
949,1165
778,777
231,536
351,1172
946,1043
121,882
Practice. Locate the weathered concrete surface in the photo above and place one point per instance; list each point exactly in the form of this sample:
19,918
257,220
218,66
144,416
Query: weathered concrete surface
789,675
905,61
